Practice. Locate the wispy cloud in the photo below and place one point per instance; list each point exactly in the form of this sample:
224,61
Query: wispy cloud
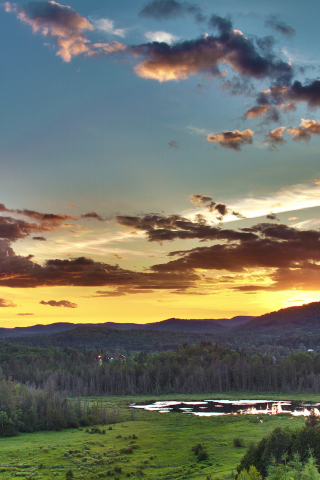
106,25
295,197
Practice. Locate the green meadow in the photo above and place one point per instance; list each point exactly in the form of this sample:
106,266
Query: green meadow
143,444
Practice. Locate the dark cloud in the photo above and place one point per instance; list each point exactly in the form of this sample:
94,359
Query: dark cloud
41,239
22,272
249,58
274,246
6,303
45,218
25,314
221,208
14,229
286,97
60,303
92,214
199,200
309,93
279,26
224,25
160,229
232,140
165,9
272,216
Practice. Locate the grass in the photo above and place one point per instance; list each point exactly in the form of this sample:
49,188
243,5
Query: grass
161,443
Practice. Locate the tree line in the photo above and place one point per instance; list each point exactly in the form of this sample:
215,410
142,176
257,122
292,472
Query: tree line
190,369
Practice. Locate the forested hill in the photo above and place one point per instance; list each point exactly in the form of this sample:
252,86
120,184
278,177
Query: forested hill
108,339
304,319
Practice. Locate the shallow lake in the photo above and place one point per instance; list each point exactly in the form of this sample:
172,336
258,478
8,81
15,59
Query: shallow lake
210,408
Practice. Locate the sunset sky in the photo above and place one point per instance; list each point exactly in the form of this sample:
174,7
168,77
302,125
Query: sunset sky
158,159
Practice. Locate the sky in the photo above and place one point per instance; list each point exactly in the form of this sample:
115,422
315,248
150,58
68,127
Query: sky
158,159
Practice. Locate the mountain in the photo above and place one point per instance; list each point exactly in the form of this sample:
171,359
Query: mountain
36,330
172,325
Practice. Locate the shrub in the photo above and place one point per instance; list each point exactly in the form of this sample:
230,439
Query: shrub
126,450
238,442
200,452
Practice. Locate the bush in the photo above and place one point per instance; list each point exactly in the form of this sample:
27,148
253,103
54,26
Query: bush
200,452
238,442
126,450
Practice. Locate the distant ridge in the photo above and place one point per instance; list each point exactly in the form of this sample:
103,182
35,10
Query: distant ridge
221,325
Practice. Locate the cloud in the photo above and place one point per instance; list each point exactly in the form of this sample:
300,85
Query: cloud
107,26
45,218
305,130
224,25
159,228
286,96
71,205
6,303
290,198
92,214
18,271
173,144
160,36
248,58
61,303
257,112
233,140
274,247
276,136
64,24
165,9
199,200
15,229
25,314
272,216
41,239
279,26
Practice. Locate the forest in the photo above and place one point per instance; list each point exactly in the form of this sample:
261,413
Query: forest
35,382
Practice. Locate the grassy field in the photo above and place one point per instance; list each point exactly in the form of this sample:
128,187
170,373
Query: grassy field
144,444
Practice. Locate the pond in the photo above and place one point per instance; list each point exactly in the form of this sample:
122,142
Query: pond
209,408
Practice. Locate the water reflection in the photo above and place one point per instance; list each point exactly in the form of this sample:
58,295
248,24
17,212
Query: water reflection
209,408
